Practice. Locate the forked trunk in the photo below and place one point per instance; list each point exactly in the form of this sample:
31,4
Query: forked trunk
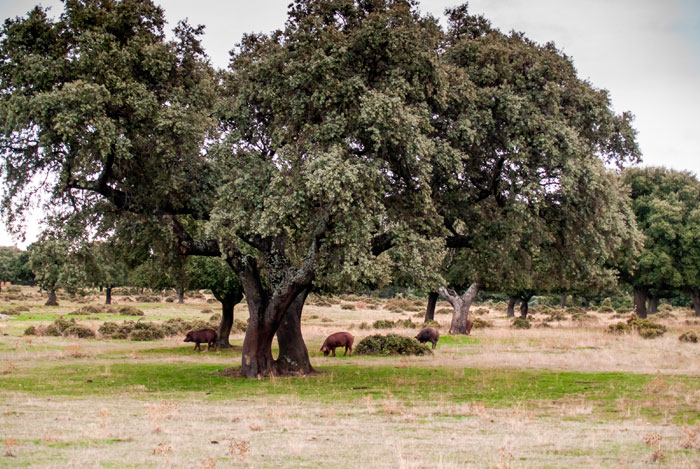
695,294
430,310
53,300
653,305
293,356
461,305
640,303
108,295
511,307
180,295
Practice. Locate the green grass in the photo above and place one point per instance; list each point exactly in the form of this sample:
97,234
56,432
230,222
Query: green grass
501,388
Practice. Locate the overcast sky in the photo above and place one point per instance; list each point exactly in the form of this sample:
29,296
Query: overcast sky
646,53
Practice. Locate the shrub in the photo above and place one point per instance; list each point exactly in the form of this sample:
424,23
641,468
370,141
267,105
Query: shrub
88,310
444,311
575,310
619,328
129,311
13,289
53,331
481,311
405,323
664,315
364,325
391,344
606,309
583,317
215,317
169,299
556,315
239,325
82,332
383,324
62,323
688,336
206,311
520,323
11,312
348,306
107,329
647,328
32,330
481,324
545,310
147,299
147,331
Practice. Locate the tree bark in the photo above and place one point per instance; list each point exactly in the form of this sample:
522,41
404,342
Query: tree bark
695,295
586,303
108,295
511,307
562,305
53,300
640,303
293,355
524,306
461,305
180,295
653,305
225,325
430,310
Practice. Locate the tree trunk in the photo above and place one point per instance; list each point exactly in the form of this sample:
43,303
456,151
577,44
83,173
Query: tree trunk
461,305
108,295
695,295
53,300
524,306
226,324
653,305
294,356
562,305
180,295
586,303
430,310
511,307
640,303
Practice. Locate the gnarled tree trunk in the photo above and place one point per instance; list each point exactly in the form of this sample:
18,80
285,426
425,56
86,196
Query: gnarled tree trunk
695,295
511,307
228,301
293,357
524,306
640,303
430,310
180,295
461,305
53,300
108,295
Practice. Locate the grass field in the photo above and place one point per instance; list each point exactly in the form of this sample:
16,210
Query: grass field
570,395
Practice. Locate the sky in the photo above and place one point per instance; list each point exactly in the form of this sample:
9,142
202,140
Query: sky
646,53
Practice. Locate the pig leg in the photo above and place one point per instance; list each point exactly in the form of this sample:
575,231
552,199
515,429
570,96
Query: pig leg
196,346
333,351
434,345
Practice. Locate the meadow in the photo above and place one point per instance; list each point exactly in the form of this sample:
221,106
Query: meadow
568,394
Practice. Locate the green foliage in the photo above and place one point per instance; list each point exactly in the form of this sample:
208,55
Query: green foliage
481,324
520,323
9,256
31,330
388,324
391,344
648,328
619,328
82,332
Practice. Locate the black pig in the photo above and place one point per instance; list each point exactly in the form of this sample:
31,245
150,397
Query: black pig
206,336
339,339
428,334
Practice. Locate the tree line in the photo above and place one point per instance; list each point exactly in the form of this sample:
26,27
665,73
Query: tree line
363,143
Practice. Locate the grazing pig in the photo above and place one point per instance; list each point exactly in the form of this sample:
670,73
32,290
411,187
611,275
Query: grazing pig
339,339
428,334
206,336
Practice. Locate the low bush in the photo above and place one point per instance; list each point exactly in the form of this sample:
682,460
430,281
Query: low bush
556,315
391,344
169,299
82,332
583,317
364,325
619,328
664,315
348,306
383,324
88,310
434,324
520,323
142,335
31,330
647,328
444,311
575,310
216,317
481,311
481,324
606,309
128,311
206,311
688,336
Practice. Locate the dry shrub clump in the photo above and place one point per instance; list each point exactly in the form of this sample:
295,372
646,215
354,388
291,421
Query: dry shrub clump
391,344
389,324
348,306
481,324
520,323
688,336
647,328
444,311
619,328
481,311
401,305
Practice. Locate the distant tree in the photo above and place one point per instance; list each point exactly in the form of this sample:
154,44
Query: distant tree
21,270
53,265
215,275
667,206
8,258
105,268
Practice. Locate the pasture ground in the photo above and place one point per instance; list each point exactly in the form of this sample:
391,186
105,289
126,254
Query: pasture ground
569,395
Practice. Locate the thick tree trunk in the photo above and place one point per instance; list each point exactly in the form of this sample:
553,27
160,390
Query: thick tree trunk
226,324
294,356
180,295
461,305
640,303
653,305
257,361
430,310
511,307
108,295
53,300
562,305
524,307
695,295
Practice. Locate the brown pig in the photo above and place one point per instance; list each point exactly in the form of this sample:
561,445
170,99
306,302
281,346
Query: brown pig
202,336
470,324
428,334
339,339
